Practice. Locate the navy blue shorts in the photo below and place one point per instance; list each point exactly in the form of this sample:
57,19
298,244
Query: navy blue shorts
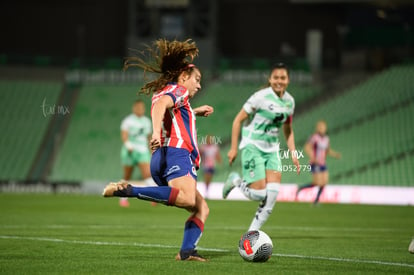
209,170
318,168
168,163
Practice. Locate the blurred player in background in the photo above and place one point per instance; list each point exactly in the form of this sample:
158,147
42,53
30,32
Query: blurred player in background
317,148
175,156
135,134
210,154
265,113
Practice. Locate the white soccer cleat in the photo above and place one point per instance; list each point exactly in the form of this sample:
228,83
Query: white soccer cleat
230,183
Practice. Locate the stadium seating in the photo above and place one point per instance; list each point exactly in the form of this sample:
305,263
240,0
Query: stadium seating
384,140
27,108
383,91
91,149
377,145
398,172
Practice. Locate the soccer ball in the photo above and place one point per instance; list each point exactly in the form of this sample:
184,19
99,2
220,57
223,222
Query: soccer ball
255,246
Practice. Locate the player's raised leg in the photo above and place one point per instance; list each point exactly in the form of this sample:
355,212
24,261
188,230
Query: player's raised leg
163,194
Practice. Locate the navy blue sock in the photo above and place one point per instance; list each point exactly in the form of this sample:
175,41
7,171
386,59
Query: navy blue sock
192,232
162,194
319,194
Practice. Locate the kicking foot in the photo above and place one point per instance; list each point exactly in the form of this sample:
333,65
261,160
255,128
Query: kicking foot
114,188
190,256
230,183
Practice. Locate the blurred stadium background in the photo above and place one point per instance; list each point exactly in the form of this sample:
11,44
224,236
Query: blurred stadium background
63,93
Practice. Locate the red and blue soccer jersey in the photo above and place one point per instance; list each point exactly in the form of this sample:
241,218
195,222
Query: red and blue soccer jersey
179,123
320,146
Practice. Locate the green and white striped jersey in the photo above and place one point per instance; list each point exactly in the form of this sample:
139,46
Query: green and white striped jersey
138,129
267,113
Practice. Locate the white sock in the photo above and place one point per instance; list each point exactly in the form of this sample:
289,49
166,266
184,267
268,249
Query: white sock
266,207
149,182
253,194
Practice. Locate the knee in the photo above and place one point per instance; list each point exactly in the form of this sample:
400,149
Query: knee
189,201
186,199
205,209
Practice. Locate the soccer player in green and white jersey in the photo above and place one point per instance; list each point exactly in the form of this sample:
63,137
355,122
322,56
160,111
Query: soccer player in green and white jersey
136,130
265,113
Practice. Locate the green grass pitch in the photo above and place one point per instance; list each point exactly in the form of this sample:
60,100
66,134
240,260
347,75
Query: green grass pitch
80,234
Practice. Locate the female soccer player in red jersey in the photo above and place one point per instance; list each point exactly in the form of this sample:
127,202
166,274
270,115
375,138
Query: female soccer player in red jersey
175,156
318,148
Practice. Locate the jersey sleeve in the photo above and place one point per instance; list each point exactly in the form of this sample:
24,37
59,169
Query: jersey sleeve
179,96
251,104
289,119
291,111
124,124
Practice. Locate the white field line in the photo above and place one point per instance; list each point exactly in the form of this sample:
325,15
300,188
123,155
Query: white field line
104,243
288,228
205,249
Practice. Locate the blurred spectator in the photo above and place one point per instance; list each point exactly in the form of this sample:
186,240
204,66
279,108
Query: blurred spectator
210,155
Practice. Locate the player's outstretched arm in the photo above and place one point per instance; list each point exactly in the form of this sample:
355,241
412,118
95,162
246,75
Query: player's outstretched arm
235,133
204,110
290,141
334,153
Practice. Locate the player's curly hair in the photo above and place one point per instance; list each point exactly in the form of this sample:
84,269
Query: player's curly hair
169,58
